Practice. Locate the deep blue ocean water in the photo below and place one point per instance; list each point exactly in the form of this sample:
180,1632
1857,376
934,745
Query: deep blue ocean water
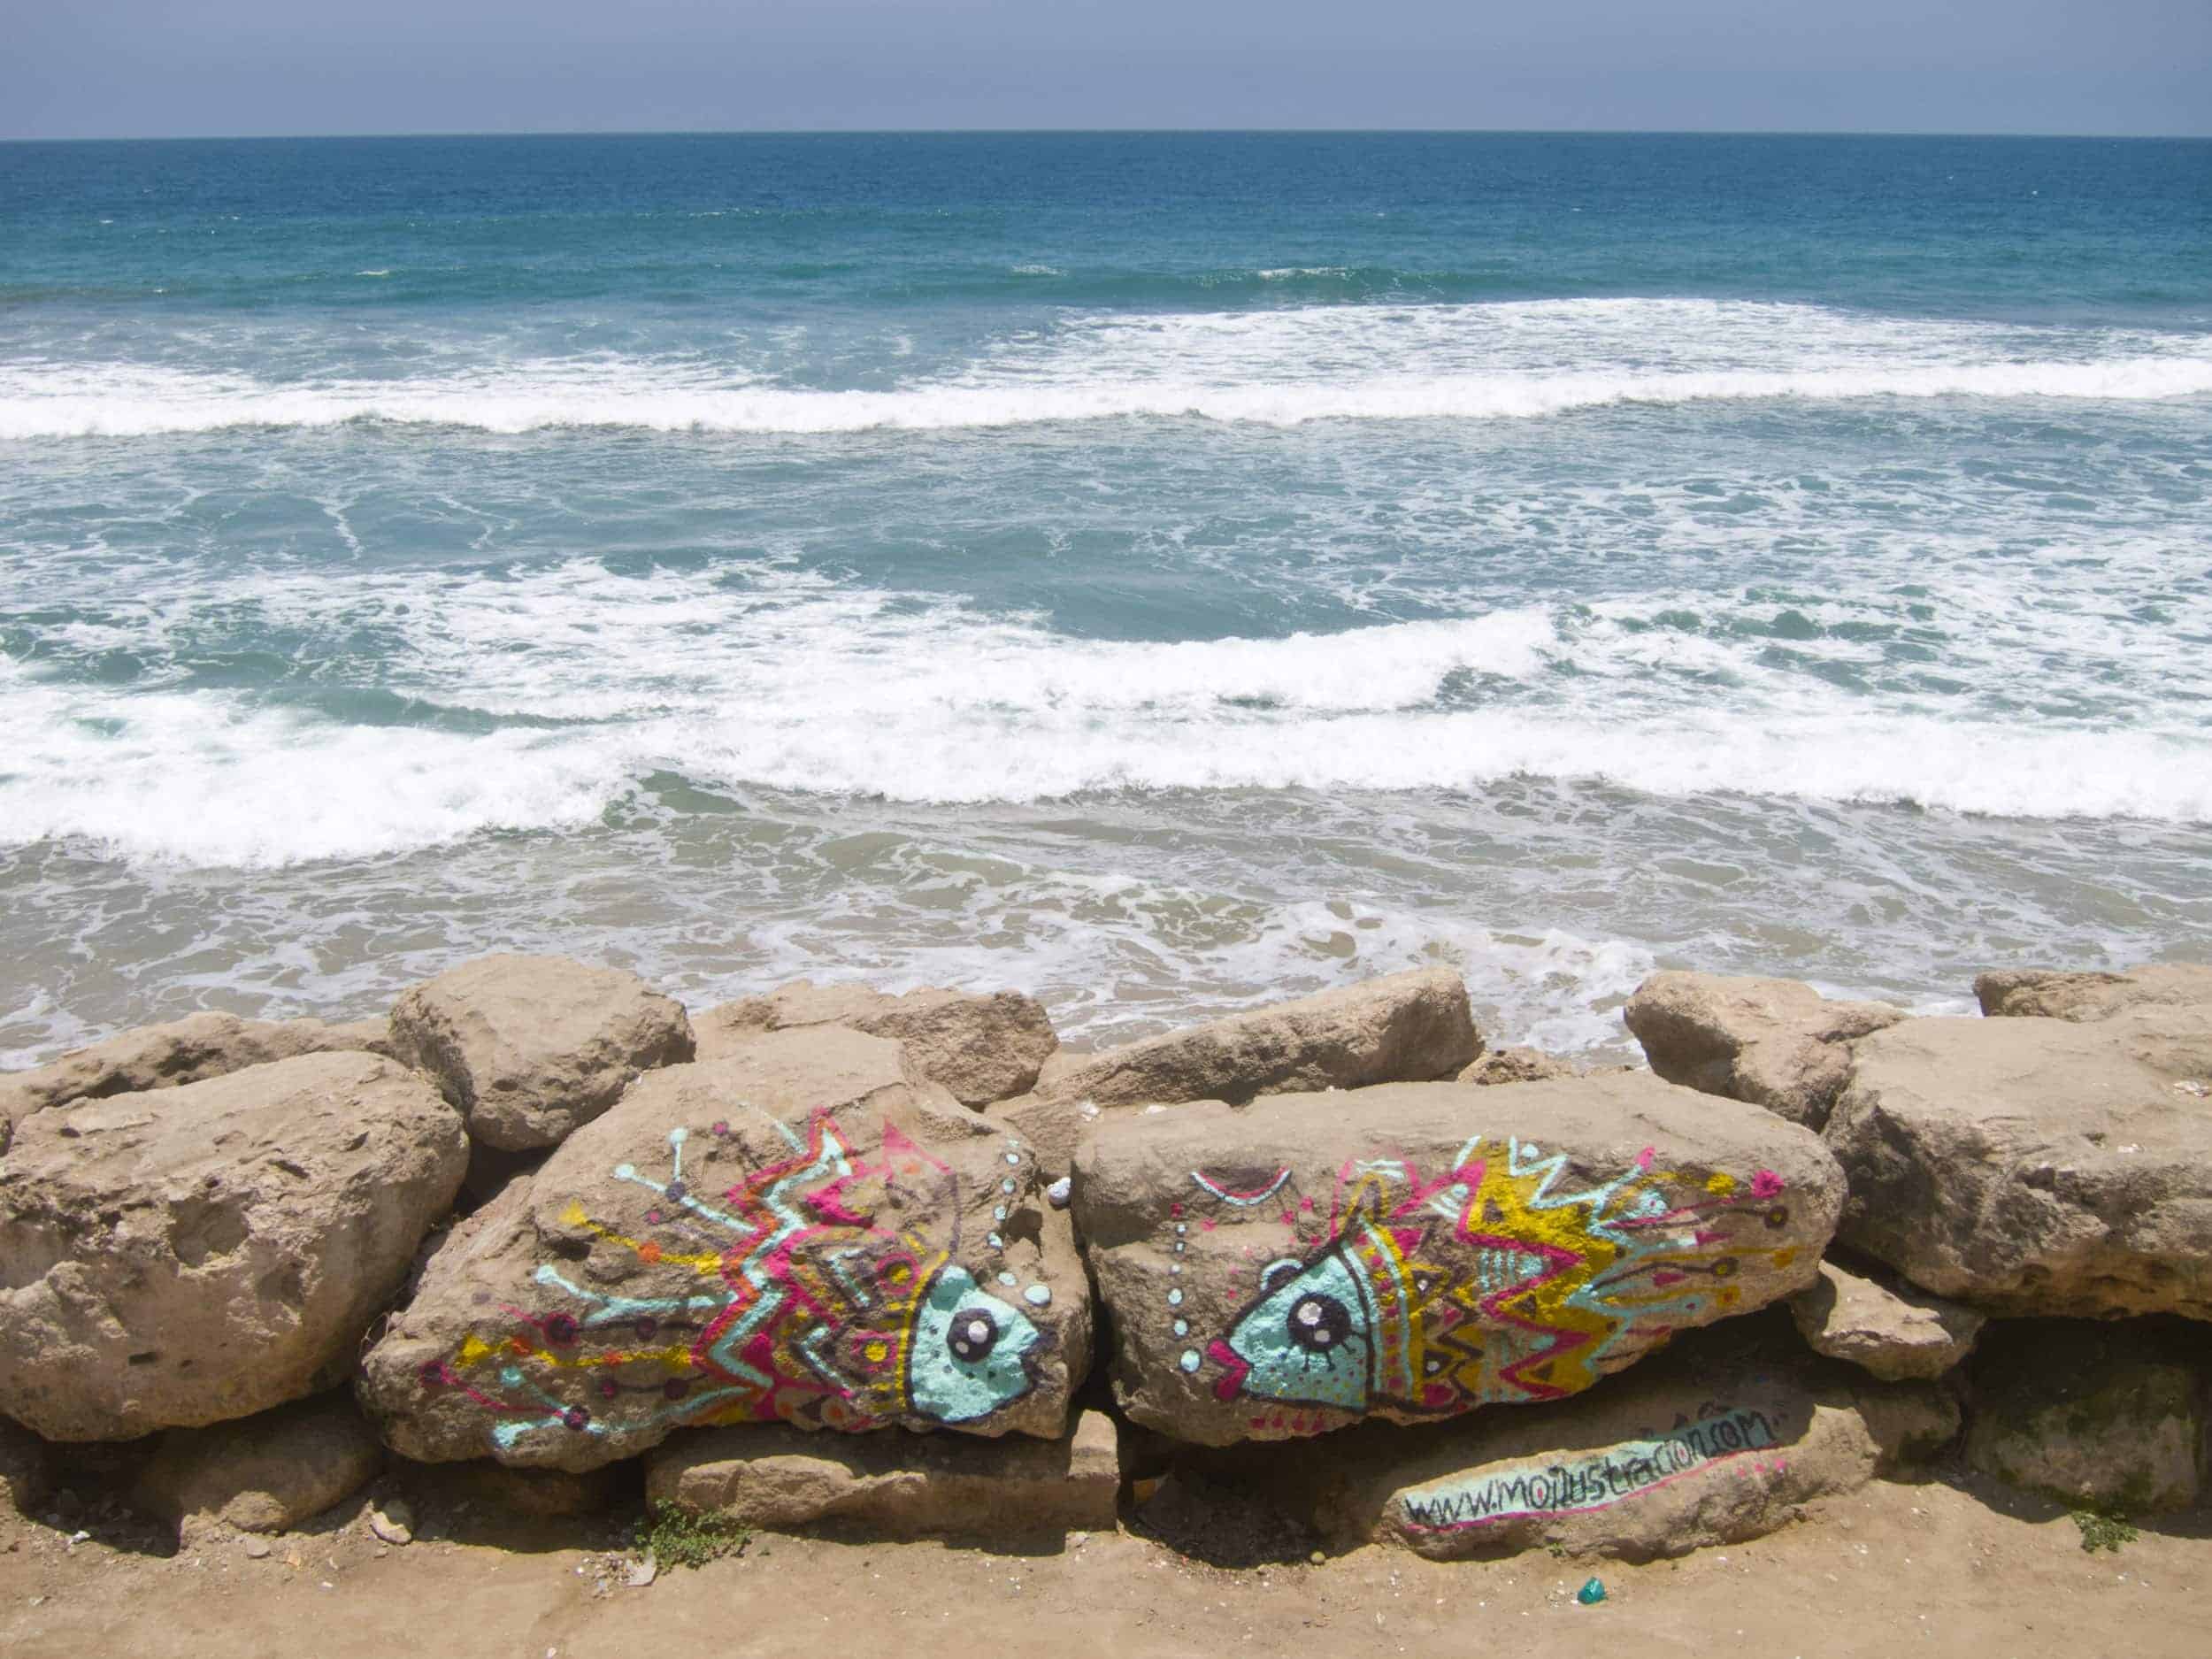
1161,571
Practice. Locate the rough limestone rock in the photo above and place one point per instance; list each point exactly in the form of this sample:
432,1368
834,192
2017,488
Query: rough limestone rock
264,1473
1773,1042
1407,1027
2104,1417
895,1485
188,1050
2037,1166
1893,1330
26,1469
2050,994
1415,1250
1699,1448
983,1048
530,1047
1517,1065
807,1230
177,1257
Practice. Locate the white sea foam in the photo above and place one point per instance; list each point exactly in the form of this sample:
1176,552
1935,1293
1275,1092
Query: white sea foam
792,684
1279,368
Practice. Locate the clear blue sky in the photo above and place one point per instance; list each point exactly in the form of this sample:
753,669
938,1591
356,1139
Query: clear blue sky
134,68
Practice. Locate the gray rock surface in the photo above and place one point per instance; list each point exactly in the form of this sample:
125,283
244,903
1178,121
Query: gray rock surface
265,1473
806,1230
1894,1331
188,1050
1517,1065
2053,993
1414,1250
531,1046
982,1048
2037,1166
184,1256
1773,1042
895,1485
1406,1027
2106,1418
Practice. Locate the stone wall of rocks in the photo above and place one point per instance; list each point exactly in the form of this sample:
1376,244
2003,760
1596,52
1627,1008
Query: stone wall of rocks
542,1226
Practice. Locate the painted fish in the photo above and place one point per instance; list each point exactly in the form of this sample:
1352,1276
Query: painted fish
1497,1281
811,1292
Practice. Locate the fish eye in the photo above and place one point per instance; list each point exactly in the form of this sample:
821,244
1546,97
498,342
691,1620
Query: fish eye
1277,1274
1318,1324
972,1334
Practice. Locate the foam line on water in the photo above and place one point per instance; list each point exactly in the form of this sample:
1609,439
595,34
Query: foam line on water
1279,367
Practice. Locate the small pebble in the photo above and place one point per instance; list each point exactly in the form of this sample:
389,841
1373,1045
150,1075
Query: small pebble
256,1549
395,1523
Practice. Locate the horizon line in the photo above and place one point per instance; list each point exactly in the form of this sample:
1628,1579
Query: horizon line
1106,131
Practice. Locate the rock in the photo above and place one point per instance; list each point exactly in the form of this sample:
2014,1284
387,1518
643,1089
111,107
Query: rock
1894,1331
393,1521
2103,1418
177,1257
1407,1027
265,1473
1516,1065
895,1485
1408,1252
255,1550
531,1046
1701,1446
806,1230
983,1048
188,1050
2036,1166
1911,1422
26,1469
539,1493
2049,994
1773,1042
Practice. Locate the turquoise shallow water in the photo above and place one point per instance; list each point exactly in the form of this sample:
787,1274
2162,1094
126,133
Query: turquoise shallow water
1160,571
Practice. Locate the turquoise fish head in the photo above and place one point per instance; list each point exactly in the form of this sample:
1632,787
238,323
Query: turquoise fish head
1308,1340
971,1354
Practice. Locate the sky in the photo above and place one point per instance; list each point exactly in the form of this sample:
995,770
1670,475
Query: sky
204,68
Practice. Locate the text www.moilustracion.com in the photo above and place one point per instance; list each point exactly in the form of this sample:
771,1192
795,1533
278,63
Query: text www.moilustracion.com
1568,1485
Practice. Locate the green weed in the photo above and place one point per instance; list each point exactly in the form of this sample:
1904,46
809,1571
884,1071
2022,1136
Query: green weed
677,1538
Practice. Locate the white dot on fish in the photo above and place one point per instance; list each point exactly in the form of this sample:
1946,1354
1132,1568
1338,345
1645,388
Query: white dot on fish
1182,1327
1006,1187
1175,1298
1037,1296
1013,1158
999,1213
996,1243
1006,1279
1190,1361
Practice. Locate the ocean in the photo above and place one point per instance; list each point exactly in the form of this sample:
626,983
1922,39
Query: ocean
1163,572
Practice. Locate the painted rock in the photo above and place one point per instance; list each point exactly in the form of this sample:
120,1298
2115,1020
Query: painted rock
1415,1250
805,1231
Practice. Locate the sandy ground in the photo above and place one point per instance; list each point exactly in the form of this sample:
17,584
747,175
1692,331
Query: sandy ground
1957,1567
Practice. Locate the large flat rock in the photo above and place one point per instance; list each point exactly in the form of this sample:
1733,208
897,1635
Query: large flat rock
265,1473
805,1231
1412,1251
2057,993
895,1485
1404,1027
177,1257
1776,1043
530,1047
982,1048
180,1051
2034,1165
